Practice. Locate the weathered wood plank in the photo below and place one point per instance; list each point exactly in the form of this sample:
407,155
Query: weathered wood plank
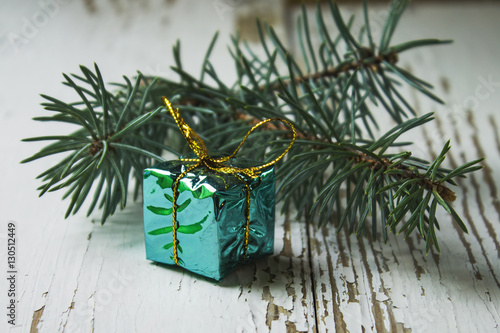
77,276
363,286
113,288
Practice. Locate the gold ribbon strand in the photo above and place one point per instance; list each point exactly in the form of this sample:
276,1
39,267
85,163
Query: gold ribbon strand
217,164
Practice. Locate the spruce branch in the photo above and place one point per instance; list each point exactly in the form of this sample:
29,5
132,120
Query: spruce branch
110,145
368,59
340,166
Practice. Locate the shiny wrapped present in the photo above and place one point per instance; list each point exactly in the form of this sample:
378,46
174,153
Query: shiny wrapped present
209,214
211,230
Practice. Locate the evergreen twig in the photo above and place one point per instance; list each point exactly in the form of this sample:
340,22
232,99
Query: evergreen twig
339,165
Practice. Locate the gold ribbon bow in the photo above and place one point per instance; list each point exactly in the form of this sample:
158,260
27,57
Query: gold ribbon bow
217,164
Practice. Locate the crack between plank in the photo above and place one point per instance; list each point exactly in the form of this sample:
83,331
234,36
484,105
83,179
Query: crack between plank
93,295
311,273
72,304
49,286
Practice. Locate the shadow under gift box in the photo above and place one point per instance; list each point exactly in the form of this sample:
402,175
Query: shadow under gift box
211,217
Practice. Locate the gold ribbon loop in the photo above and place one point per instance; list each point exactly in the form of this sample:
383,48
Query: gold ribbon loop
198,146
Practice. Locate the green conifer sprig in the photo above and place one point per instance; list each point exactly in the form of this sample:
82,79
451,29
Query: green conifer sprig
340,165
109,145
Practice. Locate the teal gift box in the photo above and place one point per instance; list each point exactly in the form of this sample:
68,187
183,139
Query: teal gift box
209,214
211,222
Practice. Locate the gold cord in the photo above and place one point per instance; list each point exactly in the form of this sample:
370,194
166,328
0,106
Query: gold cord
217,164
174,209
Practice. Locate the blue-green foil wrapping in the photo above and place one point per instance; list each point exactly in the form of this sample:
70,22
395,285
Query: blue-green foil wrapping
210,213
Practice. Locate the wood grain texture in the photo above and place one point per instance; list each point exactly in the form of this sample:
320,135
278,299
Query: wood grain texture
78,276
362,286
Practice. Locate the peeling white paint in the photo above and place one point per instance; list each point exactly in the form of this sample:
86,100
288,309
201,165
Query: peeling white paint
75,276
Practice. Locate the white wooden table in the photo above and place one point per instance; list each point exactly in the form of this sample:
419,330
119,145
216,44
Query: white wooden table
78,276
